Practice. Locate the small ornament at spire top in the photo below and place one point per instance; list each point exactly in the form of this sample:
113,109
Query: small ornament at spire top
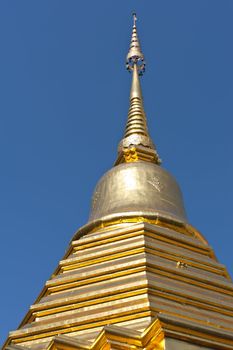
134,18
135,55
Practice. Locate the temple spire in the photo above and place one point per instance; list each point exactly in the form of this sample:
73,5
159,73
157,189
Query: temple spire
135,55
136,144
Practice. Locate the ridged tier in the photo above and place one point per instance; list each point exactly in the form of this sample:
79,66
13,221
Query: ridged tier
126,275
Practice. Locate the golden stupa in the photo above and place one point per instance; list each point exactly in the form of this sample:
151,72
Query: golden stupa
137,275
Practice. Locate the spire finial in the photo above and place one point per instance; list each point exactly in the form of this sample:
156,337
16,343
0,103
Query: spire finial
134,18
136,144
135,55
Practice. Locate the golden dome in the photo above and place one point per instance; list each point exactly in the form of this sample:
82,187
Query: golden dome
137,189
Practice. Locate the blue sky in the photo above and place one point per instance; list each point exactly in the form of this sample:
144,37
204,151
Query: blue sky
64,100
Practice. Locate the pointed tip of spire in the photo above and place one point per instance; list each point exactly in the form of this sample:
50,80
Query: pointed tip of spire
134,18
135,55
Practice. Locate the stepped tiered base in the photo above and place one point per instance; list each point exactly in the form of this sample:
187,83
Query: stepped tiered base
138,285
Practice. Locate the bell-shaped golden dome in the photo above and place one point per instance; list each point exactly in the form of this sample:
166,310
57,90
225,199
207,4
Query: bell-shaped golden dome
137,189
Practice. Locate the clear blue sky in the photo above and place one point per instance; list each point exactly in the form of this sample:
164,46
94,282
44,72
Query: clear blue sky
64,99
